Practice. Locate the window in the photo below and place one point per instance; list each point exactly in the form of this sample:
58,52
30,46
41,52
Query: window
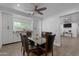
21,26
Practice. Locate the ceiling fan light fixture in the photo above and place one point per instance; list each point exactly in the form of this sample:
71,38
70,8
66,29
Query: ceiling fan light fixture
18,5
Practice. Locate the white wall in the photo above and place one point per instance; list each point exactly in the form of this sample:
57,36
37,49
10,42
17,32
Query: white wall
0,29
74,29
52,24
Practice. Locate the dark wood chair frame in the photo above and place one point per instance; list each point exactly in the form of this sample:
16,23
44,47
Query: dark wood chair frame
25,45
46,49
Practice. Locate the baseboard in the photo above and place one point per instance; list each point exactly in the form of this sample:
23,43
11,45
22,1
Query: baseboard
11,43
0,46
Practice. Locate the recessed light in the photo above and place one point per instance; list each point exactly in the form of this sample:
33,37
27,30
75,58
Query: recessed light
18,5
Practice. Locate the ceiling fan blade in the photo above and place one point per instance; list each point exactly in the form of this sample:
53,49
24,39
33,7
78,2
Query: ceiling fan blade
41,9
40,13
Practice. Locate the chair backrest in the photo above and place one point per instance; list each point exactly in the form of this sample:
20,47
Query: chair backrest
29,33
25,42
49,41
43,34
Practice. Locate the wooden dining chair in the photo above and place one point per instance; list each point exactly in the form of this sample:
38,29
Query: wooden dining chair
26,45
48,46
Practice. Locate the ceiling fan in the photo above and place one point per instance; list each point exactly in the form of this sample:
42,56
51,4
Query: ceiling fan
38,10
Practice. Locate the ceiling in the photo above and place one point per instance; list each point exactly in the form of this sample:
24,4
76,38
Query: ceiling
52,8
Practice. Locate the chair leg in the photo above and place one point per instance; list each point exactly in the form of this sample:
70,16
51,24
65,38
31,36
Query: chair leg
27,53
23,52
21,48
46,53
52,52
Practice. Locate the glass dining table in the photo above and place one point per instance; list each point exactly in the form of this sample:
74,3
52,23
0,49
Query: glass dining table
39,41
37,44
